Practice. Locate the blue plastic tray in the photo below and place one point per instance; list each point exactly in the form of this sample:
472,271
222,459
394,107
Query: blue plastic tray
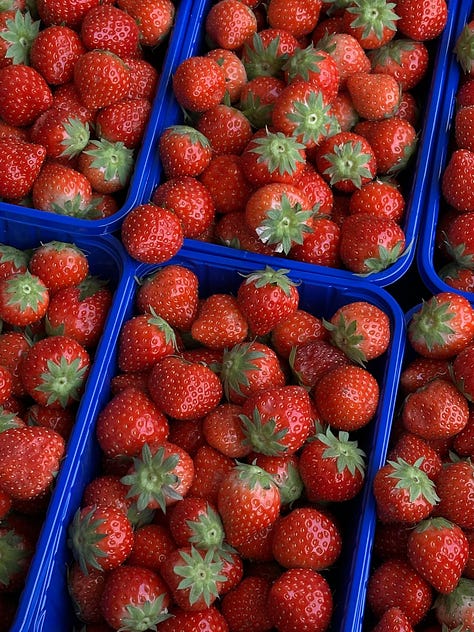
415,189
46,606
74,226
107,260
426,252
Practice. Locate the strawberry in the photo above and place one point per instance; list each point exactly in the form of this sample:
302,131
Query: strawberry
395,583
361,330
210,467
151,233
245,607
306,538
257,98
80,311
454,485
248,368
347,397
6,384
393,620
248,501
372,24
69,13
403,492
266,52
22,163
107,165
346,161
154,18
107,489
30,460
462,372
191,202
194,521
143,340
85,590
405,59
332,467
54,371
315,66
100,537
13,345
298,17
284,470
101,78
380,198
455,610
300,598
456,179
310,360
279,214
412,449
128,421
321,246
151,544
143,79
438,550
184,151
183,389
124,122
229,24
316,189
420,20
226,127
59,264
374,95
199,83
231,230
458,240
442,326
189,621
172,292
63,131
24,298
226,183
24,94
134,596
17,552
18,32
234,70
462,50
369,243
160,476
301,326
219,323
63,190
54,53
435,411
12,260
265,297
347,52
109,28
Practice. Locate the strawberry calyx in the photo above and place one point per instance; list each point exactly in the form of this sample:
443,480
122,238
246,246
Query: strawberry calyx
253,476
391,51
12,556
207,531
152,478
84,539
258,113
25,291
414,480
347,453
77,137
284,226
236,363
76,207
163,326
438,524
264,438
145,616
347,162
201,574
313,119
386,257
344,335
334,6
9,420
451,608
194,136
401,163
458,255
90,286
113,158
17,258
280,153
373,16
291,487
430,324
303,62
63,381
270,276
20,33
464,48
260,60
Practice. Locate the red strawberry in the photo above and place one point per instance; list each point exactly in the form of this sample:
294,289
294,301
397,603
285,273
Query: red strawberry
311,360
348,54
151,544
22,162
18,551
374,95
199,83
143,79
456,179
413,449
132,592
60,12
63,190
455,609
372,25
12,260
59,264
246,605
229,25
267,51
462,50
54,371
151,233
248,501
234,69
219,323
315,66
107,165
128,421
455,487
24,298
64,132
154,18
403,58
298,17
54,53
189,621
420,371
85,590
257,98
100,537
226,127
183,389
222,429
143,340
301,326
101,78
225,181
332,467
438,550
380,198
284,470
300,598
421,21
210,467
393,620
184,151
403,492
24,94
266,297
30,460
110,28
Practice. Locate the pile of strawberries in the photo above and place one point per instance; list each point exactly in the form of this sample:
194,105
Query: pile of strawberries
52,313
423,576
76,88
230,447
454,243
300,119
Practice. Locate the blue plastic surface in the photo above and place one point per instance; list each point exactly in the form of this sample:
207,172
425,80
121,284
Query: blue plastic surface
106,259
74,226
414,178
47,606
426,252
